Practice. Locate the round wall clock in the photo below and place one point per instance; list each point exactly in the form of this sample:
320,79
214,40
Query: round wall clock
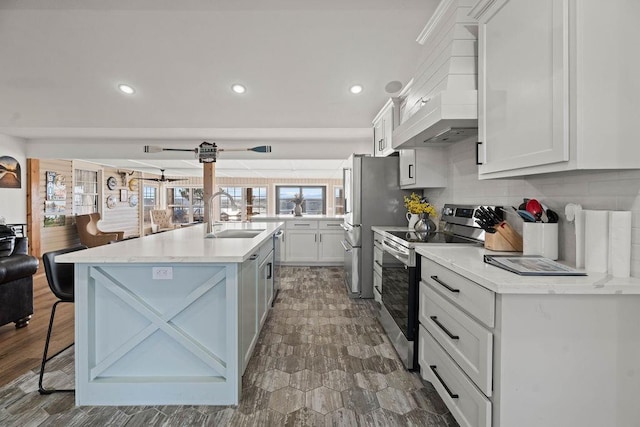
133,184
111,202
111,183
133,201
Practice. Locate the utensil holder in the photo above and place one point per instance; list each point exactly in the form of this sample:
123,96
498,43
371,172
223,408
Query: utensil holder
540,239
505,239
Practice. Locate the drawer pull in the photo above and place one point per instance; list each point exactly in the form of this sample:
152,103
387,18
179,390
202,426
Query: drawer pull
433,369
449,288
445,330
378,262
377,288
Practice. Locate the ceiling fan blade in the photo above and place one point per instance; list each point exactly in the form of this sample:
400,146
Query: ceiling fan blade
176,179
151,179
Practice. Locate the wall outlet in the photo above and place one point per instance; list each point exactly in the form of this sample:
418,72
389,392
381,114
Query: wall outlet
162,273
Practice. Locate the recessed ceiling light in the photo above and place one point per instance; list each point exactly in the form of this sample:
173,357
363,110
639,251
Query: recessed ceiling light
126,89
356,89
238,88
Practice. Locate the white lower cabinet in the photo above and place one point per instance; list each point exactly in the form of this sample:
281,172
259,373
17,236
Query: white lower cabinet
302,246
248,309
468,343
255,294
313,242
265,287
467,404
504,359
329,248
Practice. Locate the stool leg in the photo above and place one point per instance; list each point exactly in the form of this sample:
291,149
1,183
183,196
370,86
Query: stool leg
45,359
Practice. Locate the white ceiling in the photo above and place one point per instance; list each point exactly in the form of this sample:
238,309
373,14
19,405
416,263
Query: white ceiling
62,61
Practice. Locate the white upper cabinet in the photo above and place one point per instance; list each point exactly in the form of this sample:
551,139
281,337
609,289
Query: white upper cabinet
558,86
423,168
382,130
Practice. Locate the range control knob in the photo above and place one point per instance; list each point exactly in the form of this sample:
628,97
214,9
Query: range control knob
447,211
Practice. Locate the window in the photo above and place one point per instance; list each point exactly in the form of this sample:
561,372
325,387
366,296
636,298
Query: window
149,202
85,192
314,199
338,200
253,198
186,204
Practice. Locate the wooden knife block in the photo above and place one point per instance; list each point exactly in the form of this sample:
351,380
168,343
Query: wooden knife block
505,239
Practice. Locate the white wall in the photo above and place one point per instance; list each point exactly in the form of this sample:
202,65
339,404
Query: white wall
13,201
611,190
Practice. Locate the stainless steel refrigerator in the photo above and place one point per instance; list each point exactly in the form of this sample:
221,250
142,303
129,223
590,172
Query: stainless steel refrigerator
372,196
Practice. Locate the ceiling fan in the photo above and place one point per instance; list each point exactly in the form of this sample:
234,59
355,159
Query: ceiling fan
164,179
207,152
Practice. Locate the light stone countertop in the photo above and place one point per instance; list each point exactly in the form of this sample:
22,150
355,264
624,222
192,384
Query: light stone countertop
182,245
289,217
469,262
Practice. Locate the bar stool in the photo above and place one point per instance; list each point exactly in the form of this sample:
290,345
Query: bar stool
60,277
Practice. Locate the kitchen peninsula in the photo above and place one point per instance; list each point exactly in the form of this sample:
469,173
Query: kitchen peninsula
171,318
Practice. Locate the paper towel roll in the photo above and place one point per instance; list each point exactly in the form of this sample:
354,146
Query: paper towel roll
596,241
579,217
619,243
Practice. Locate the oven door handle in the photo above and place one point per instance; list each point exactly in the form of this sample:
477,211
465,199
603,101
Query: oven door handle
395,251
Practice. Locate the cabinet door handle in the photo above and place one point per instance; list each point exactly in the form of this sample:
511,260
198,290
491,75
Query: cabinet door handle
433,369
378,262
315,237
270,273
321,238
378,289
478,152
410,171
449,288
445,330
254,256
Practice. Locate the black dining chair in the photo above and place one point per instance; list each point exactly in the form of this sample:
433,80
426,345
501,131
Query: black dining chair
61,281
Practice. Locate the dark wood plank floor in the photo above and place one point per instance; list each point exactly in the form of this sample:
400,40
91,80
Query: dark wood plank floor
21,349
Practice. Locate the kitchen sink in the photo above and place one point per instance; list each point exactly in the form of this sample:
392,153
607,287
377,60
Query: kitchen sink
235,234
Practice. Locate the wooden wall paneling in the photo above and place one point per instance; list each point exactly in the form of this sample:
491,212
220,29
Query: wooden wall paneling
53,238
122,217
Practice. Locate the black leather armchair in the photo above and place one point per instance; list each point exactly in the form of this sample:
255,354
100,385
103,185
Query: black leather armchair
16,284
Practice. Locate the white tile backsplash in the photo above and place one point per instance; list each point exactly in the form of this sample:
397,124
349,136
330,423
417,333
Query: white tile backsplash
610,190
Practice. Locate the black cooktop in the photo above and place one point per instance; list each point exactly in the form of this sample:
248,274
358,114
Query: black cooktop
433,237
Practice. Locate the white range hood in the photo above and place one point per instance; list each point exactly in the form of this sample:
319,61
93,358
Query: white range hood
441,105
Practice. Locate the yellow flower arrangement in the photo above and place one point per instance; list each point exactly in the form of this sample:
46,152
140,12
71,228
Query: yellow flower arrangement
415,206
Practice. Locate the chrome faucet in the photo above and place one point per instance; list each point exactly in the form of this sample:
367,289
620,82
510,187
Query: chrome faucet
211,224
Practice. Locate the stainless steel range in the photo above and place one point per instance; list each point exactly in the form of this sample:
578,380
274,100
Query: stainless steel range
401,274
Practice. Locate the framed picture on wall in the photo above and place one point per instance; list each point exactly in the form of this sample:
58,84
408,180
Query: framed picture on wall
124,195
10,173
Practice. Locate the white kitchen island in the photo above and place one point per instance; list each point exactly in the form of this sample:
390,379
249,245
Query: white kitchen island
170,318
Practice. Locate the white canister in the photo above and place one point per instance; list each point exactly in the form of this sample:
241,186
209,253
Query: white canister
539,238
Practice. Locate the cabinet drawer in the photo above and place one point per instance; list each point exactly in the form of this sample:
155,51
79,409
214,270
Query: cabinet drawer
377,260
377,240
468,343
377,287
377,284
466,403
302,225
466,294
330,225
